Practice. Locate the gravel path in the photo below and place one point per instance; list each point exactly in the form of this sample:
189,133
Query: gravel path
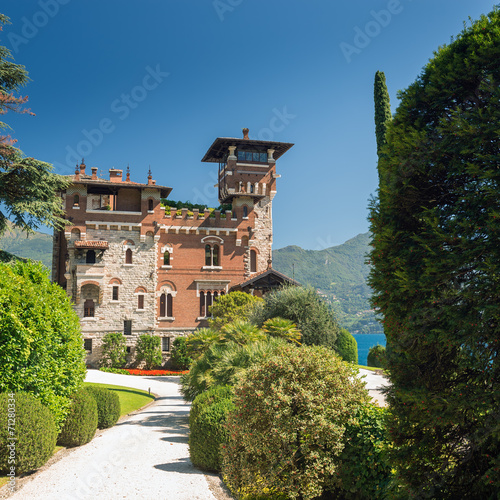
143,456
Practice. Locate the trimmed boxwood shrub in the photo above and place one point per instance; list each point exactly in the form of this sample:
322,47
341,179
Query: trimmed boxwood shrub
108,406
206,424
365,470
376,356
347,347
81,423
34,430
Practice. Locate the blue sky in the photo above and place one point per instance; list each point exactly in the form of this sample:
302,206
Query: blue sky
153,83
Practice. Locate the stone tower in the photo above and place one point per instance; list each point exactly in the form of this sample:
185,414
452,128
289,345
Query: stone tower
247,182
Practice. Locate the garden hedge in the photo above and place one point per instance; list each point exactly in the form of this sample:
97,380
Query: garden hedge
108,406
33,428
207,427
81,423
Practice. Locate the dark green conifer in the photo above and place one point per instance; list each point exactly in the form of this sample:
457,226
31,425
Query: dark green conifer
436,270
382,109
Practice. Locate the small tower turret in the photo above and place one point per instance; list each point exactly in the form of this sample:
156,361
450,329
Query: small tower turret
247,180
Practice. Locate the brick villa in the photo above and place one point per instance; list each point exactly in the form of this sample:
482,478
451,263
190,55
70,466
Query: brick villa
131,265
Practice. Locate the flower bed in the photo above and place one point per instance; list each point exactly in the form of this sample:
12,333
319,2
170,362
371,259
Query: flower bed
131,371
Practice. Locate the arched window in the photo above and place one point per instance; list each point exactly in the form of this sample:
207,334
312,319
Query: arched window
166,305
128,256
75,234
166,258
88,308
253,261
245,211
90,259
150,204
212,254
76,200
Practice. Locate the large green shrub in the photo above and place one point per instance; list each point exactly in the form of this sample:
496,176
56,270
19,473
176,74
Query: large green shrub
148,349
286,432
41,348
234,306
27,433
108,406
223,364
81,423
179,357
305,308
435,268
347,347
365,469
207,431
377,356
114,350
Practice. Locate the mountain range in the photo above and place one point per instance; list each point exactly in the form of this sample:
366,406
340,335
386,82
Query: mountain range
35,246
338,273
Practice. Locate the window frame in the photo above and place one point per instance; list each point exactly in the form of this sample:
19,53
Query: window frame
88,308
127,327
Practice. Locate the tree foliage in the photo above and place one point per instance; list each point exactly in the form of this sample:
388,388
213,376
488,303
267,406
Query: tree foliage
232,307
286,433
179,357
148,349
436,269
28,188
114,350
304,307
41,348
347,347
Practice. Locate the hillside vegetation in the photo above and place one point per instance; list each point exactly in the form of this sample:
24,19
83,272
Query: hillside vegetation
35,246
340,274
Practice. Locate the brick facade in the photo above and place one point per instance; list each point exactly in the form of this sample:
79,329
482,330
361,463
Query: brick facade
129,265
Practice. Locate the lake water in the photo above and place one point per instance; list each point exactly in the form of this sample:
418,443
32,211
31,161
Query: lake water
365,341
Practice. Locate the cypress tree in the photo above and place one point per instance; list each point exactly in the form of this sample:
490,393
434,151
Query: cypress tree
382,109
436,270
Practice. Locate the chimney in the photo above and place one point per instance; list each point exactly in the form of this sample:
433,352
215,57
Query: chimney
128,174
94,173
245,133
82,167
77,173
150,177
115,175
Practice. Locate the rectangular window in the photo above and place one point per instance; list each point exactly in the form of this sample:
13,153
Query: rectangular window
140,302
165,344
115,293
87,344
127,327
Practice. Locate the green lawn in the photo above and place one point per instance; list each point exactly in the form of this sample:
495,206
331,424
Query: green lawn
130,399
371,368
